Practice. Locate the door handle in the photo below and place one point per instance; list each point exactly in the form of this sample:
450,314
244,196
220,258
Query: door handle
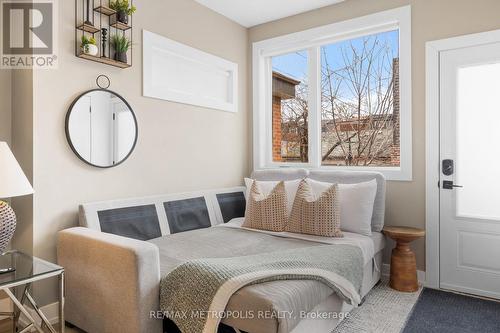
448,185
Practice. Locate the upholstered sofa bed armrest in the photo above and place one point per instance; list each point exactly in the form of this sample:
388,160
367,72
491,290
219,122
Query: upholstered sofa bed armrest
112,282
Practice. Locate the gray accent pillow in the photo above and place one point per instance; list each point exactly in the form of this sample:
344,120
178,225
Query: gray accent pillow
232,205
187,214
139,222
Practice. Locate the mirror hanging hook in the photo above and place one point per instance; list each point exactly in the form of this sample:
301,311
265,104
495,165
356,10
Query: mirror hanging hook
103,86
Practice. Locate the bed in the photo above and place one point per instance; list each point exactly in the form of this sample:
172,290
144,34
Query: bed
280,303
112,281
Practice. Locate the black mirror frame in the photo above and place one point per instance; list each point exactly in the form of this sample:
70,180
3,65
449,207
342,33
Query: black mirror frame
68,138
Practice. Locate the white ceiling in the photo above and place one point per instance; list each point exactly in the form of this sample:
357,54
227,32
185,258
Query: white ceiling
253,12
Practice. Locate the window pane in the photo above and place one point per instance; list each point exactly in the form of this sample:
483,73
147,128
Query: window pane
360,101
290,112
477,140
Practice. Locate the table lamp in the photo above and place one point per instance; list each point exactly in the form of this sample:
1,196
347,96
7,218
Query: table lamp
13,183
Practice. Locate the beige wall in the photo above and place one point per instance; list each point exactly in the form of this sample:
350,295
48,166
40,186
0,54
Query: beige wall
5,105
180,147
16,118
431,20
22,147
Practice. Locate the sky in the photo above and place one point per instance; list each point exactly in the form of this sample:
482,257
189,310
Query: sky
295,64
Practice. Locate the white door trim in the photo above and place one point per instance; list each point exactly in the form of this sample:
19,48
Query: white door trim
432,169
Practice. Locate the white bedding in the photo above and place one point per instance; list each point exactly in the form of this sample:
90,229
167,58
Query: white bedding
369,245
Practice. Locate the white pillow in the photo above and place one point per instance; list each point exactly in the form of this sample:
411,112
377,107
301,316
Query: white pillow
356,204
291,187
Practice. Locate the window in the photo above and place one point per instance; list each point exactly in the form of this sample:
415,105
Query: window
359,101
289,107
337,96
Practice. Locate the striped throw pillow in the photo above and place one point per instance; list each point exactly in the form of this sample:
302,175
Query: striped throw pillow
315,215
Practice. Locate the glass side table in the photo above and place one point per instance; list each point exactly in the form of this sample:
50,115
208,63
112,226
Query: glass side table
22,270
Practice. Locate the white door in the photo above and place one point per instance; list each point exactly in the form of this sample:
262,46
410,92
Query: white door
470,157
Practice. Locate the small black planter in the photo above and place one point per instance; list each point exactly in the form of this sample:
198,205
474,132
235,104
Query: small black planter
122,16
121,56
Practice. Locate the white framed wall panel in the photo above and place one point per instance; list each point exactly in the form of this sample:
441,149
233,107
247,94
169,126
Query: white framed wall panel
179,73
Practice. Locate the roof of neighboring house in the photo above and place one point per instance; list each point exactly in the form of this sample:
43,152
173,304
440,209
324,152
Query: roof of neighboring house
284,86
285,78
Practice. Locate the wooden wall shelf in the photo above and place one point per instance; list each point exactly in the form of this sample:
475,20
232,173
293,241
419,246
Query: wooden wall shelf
88,28
98,20
105,10
106,61
121,26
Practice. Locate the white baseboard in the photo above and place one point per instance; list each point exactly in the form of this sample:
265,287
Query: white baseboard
386,270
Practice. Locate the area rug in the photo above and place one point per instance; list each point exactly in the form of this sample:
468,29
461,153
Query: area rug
444,312
384,310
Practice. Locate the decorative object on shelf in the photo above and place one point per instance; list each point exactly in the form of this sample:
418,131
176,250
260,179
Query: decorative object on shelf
13,183
101,126
102,24
121,44
123,10
104,37
89,46
87,21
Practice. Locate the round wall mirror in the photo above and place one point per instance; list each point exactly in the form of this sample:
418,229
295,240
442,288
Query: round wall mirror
101,128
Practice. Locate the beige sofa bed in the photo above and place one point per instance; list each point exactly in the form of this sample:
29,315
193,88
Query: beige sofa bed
113,281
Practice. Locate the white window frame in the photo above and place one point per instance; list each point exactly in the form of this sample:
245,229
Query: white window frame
312,40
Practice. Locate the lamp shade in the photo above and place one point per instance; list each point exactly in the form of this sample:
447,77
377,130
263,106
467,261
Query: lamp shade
13,181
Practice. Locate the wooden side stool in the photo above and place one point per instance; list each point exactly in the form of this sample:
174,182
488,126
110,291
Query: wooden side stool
403,262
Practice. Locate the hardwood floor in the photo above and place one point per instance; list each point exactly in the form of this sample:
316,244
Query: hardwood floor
5,326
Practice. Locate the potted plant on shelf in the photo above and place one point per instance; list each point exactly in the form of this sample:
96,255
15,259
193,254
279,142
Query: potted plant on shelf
89,46
120,44
123,10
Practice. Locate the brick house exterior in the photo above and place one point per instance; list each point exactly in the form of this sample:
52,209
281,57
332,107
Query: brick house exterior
396,130
283,89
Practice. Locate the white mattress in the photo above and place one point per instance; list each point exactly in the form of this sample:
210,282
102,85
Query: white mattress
378,240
